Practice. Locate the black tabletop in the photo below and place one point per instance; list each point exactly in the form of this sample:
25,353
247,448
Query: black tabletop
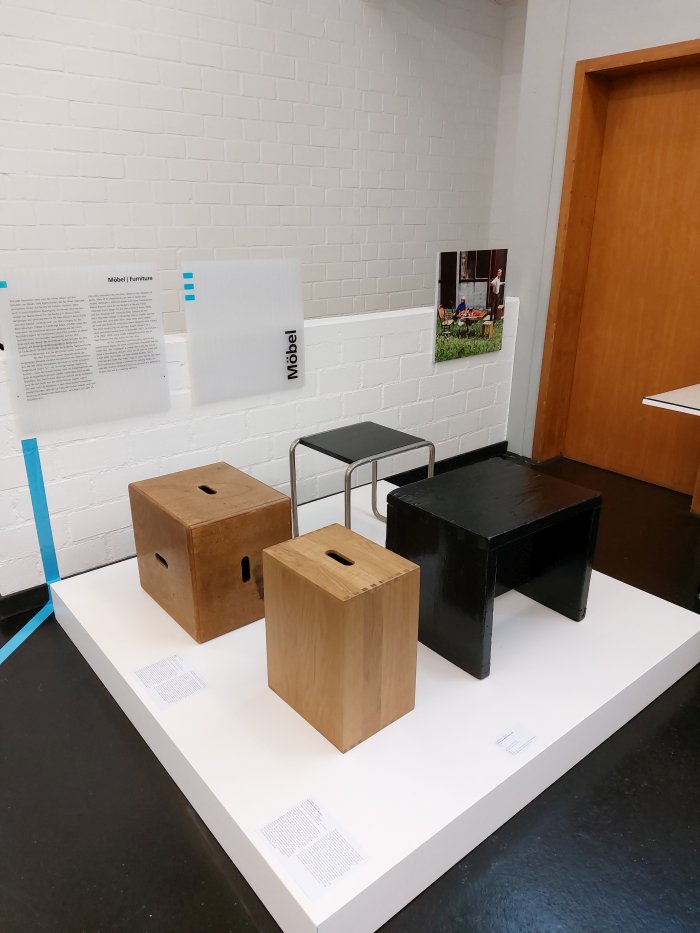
497,500
357,441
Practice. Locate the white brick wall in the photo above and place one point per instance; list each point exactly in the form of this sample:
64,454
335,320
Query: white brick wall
356,135
359,367
514,19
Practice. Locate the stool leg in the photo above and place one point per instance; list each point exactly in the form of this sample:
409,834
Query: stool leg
375,509
457,586
348,494
293,488
460,625
431,472
555,564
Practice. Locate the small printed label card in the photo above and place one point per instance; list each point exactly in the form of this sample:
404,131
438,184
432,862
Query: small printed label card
516,739
170,680
311,845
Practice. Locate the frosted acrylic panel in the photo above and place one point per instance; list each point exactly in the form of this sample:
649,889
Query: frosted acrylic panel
83,344
245,327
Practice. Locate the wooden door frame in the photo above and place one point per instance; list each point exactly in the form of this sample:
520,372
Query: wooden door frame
589,106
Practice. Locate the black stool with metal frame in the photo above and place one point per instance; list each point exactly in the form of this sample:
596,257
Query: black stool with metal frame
356,445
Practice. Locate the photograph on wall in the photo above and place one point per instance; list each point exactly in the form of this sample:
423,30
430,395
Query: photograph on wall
470,302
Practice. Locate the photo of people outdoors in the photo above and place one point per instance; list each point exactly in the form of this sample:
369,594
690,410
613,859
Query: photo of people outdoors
470,303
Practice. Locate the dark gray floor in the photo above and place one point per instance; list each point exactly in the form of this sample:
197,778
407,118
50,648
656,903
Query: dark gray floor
95,837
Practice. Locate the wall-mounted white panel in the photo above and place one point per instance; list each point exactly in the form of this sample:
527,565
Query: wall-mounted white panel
245,327
84,344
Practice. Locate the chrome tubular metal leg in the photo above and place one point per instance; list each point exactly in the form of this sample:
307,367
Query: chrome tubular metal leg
375,463
348,493
347,490
293,488
375,510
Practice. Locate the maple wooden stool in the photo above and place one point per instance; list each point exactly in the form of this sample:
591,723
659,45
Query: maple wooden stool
199,539
342,632
356,445
478,531
487,329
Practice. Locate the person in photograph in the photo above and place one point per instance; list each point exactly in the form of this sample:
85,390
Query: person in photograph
462,306
495,294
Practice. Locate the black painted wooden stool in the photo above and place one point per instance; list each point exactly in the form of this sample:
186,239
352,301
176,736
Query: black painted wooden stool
356,445
484,529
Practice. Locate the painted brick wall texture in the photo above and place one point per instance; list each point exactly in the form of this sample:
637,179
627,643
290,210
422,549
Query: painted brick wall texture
356,135
359,367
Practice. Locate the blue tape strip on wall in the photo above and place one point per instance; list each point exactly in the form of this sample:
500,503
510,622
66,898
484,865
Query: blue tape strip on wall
35,478
37,491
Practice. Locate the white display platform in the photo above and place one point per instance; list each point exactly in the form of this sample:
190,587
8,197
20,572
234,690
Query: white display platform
420,794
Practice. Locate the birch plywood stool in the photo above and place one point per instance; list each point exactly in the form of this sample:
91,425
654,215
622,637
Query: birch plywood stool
356,445
199,539
342,631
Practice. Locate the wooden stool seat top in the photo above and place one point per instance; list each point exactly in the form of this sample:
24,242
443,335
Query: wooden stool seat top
208,493
340,562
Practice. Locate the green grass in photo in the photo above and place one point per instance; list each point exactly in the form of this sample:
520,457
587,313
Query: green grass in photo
465,341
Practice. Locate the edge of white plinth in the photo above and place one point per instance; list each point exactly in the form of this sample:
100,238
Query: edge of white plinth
386,896
389,894
277,898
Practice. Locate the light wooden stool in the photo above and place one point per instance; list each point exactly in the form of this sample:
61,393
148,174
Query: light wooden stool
487,329
199,539
342,629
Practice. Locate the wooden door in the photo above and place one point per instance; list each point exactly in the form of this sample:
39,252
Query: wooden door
625,306
640,321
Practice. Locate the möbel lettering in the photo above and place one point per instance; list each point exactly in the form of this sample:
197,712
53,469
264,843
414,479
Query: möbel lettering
292,355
